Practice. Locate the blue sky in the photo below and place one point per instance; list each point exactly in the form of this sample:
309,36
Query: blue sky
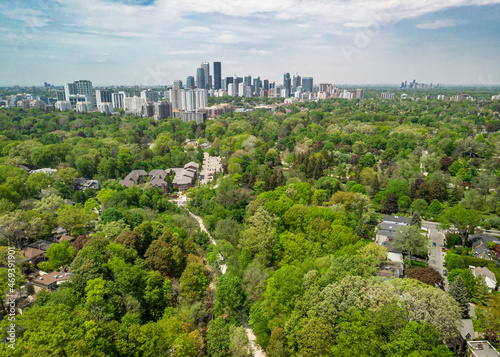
154,42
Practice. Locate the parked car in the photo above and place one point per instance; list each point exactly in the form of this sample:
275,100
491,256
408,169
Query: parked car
433,244
444,264
443,249
445,273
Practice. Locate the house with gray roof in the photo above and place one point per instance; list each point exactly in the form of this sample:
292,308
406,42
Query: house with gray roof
388,228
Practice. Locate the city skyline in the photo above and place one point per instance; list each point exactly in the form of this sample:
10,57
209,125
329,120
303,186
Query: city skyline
156,42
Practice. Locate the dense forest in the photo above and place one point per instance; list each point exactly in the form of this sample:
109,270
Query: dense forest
294,213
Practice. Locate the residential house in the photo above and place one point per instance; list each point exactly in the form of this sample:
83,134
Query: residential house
388,228
480,245
50,281
65,238
489,277
33,255
82,184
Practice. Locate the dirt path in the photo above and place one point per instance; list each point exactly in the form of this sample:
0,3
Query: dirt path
256,350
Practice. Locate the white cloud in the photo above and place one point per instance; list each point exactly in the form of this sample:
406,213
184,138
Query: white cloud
437,24
259,52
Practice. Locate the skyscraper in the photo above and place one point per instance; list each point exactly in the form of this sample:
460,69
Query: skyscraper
217,75
228,80
287,84
206,71
265,85
248,80
150,95
200,78
307,84
296,82
178,84
189,82
256,86
231,89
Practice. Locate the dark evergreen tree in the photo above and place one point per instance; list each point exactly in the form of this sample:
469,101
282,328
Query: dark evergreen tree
416,220
459,292
455,196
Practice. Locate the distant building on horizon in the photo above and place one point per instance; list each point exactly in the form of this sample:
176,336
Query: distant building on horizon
206,72
387,95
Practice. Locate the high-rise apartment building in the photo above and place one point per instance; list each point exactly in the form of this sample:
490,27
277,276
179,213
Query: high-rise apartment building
231,89
307,84
176,98
387,95
358,94
60,95
118,99
84,87
206,72
162,110
217,75
189,82
326,88
200,78
150,95
103,96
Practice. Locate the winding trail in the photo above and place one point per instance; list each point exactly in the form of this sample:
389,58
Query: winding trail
256,350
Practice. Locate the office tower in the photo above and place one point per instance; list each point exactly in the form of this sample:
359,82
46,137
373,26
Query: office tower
103,96
118,99
307,84
296,82
61,95
150,95
200,78
178,84
217,75
265,86
176,98
223,84
279,91
228,80
206,72
189,82
256,86
237,81
248,80
287,84
231,89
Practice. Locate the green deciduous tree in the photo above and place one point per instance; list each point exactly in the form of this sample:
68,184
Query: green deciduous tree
410,240
464,220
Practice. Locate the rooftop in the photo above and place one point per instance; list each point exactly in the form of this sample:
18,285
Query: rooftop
481,349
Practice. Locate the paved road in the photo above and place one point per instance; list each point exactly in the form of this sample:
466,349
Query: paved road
436,256
256,350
